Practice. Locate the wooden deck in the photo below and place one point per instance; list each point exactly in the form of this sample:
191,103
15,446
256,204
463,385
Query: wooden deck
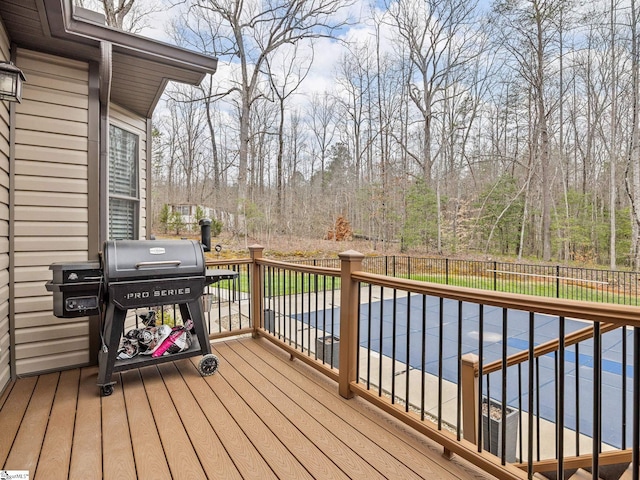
261,416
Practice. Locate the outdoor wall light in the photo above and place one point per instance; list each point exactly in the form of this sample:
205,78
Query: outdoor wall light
11,78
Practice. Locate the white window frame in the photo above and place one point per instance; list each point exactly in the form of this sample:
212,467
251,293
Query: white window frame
128,192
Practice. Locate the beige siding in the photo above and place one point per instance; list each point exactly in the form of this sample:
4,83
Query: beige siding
5,338
50,207
133,123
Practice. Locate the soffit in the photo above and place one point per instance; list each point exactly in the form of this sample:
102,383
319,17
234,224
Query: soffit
141,67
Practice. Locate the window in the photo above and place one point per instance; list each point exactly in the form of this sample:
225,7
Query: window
124,197
184,210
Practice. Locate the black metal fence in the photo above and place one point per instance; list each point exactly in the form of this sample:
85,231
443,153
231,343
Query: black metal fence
588,284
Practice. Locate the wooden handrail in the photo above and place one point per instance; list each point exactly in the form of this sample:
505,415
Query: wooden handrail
547,347
296,267
611,316
596,312
236,261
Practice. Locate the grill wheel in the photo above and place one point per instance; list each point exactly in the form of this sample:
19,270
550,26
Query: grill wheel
208,365
106,390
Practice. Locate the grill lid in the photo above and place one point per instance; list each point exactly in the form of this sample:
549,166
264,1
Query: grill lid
152,259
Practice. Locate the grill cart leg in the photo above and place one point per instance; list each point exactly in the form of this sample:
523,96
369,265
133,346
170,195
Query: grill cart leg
193,311
112,331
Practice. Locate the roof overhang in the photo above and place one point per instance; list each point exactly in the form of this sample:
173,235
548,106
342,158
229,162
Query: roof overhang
140,67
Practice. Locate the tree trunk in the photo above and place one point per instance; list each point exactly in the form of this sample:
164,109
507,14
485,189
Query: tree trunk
544,142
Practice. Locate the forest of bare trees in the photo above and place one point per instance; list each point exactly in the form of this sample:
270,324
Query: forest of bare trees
447,126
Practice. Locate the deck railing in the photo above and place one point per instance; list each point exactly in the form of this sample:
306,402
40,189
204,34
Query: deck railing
413,349
226,303
556,281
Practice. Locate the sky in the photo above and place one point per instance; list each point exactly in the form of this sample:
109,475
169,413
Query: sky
327,52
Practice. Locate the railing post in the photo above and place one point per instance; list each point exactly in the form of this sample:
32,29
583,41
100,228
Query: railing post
350,261
469,378
255,298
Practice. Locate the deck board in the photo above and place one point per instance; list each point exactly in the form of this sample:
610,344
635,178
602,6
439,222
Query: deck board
118,461
28,443
348,426
181,457
5,394
86,448
147,448
292,425
262,416
56,449
280,459
249,462
320,425
410,447
12,413
210,450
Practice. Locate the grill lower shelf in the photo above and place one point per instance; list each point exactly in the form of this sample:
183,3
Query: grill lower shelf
144,360
113,327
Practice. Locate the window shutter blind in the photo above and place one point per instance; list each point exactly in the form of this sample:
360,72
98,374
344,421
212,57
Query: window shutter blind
123,184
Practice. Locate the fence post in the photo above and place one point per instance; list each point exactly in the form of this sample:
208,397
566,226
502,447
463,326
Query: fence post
557,281
350,261
495,276
446,271
255,297
469,378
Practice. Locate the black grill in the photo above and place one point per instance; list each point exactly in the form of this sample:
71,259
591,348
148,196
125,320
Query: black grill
137,274
140,273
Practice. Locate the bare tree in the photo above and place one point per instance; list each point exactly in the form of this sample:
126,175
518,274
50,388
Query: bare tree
321,119
528,30
188,122
256,30
613,139
129,15
200,30
632,172
355,88
285,77
439,38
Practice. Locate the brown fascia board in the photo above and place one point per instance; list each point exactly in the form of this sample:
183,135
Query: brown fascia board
64,24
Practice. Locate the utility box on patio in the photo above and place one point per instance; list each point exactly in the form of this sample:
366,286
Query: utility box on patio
328,350
269,320
492,437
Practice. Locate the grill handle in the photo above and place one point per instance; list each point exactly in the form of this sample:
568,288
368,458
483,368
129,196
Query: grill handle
159,263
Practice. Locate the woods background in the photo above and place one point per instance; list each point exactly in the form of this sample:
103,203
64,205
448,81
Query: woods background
442,126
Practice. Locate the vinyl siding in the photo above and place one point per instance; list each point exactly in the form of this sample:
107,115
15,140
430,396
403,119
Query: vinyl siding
50,211
133,123
5,337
